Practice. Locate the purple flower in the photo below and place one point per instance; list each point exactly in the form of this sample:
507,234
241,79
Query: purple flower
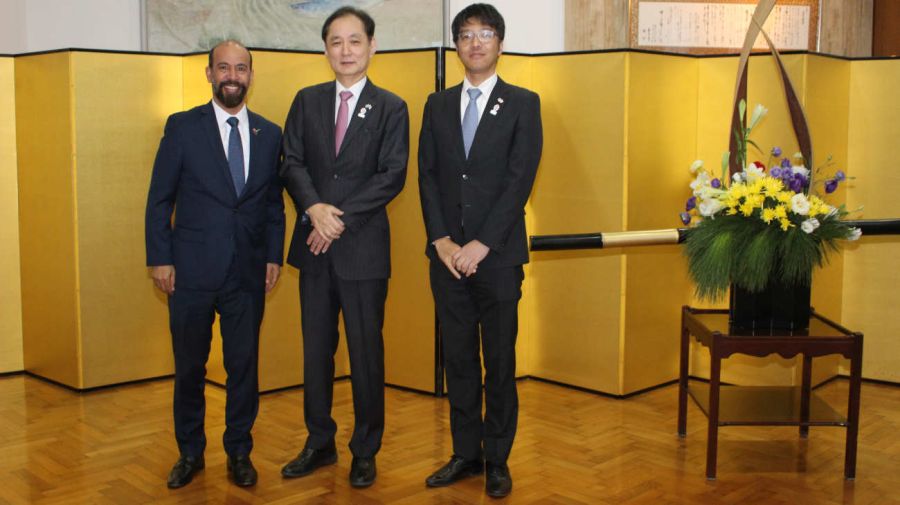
715,183
840,175
831,185
776,151
691,203
775,172
796,184
785,163
685,218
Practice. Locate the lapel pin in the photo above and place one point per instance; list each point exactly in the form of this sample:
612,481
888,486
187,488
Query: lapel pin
499,100
495,109
362,113
256,131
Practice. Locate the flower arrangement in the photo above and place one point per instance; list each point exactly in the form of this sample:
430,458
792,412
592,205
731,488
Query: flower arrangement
767,222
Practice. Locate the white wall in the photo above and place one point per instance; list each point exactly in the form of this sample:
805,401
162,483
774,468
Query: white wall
532,26
39,25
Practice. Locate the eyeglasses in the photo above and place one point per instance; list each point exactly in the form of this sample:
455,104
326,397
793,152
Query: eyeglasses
485,36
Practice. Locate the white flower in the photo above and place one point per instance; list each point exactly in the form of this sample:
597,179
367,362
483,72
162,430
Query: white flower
710,207
799,204
758,114
855,233
701,181
739,177
754,172
695,166
809,225
800,169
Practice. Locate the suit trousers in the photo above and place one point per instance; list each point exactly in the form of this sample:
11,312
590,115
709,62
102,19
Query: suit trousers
323,295
488,300
191,315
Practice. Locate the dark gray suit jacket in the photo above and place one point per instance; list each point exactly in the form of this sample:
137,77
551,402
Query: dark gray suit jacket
482,197
368,172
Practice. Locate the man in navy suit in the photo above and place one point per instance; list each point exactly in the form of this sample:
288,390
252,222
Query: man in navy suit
217,170
479,151
346,145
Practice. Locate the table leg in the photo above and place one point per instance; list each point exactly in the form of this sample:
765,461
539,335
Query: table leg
712,440
683,378
853,410
805,387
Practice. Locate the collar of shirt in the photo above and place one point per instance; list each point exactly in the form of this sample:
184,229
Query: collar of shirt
356,89
243,128
486,87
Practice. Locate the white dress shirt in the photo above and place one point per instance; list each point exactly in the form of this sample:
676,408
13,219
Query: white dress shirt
486,87
243,128
352,110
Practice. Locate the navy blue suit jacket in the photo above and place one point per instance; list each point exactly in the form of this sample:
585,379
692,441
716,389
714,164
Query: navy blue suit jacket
213,226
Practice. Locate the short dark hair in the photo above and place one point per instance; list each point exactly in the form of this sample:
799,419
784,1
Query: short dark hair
484,13
367,21
229,41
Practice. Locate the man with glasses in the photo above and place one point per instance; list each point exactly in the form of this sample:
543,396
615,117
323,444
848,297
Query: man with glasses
479,150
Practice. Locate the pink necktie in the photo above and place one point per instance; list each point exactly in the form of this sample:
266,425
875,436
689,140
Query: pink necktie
340,128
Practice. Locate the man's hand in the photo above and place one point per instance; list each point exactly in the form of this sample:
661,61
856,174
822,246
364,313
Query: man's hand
326,220
164,278
446,248
467,258
273,270
317,243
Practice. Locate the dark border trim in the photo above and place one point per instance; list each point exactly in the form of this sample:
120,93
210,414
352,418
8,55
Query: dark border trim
10,374
444,49
95,388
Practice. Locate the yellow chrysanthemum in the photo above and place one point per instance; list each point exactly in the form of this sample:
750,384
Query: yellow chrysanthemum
731,211
768,215
784,196
737,191
785,224
781,212
747,208
772,185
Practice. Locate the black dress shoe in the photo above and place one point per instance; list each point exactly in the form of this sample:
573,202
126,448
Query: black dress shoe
362,472
241,470
457,469
184,471
498,483
308,460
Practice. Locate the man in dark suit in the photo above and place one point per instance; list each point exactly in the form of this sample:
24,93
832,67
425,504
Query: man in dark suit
217,169
346,146
479,151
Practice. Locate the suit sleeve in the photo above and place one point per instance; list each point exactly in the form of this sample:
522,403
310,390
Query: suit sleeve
275,215
524,157
294,170
429,191
161,197
390,176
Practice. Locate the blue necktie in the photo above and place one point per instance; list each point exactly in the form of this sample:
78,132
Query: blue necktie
470,119
236,155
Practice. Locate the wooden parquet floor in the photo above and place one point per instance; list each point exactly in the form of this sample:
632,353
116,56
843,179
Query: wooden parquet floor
116,446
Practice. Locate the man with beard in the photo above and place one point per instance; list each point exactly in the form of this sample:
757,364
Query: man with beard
479,151
217,170
346,145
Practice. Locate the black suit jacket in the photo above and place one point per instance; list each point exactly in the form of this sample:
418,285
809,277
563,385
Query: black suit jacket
368,172
213,226
482,197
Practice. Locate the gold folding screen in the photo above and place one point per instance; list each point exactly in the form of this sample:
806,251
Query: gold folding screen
620,130
11,290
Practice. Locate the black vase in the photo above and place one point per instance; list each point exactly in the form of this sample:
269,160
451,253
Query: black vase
778,307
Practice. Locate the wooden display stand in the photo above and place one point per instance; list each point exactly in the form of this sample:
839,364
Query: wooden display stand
767,406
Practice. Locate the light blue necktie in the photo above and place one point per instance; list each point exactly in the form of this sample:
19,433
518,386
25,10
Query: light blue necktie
470,119
236,155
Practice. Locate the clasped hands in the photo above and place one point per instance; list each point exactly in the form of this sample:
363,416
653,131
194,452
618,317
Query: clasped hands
327,226
461,260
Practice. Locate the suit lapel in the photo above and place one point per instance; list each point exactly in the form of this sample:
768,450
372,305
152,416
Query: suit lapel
367,97
454,115
215,142
254,175
326,112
